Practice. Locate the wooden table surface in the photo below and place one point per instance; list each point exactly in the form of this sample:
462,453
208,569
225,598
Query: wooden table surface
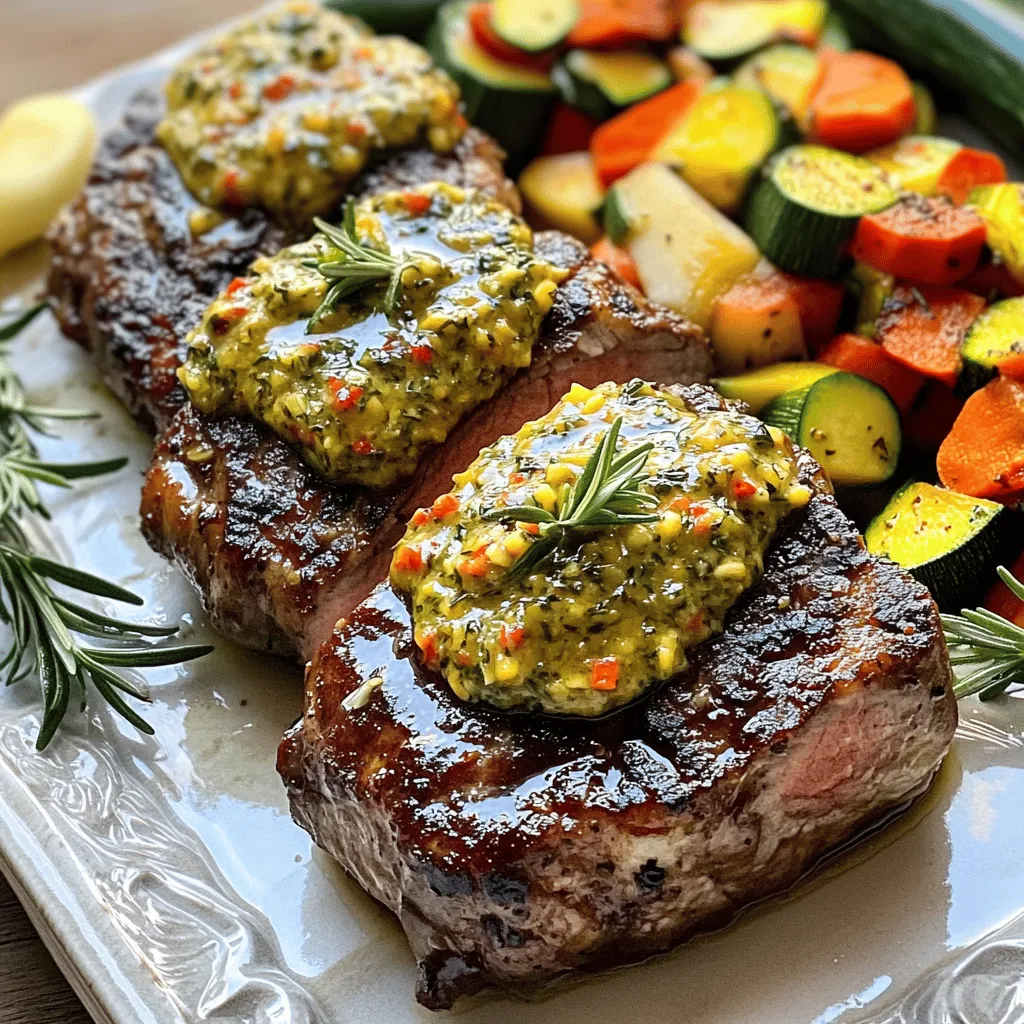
46,45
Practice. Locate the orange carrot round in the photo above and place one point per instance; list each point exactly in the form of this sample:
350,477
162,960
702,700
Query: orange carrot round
861,101
984,453
926,240
628,139
618,259
968,169
611,24
924,328
856,354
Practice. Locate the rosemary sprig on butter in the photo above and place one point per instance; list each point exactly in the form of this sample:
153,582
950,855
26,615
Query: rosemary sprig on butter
354,266
46,626
605,494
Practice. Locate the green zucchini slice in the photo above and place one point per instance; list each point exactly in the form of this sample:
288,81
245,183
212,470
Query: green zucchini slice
726,31
787,73
804,211
915,162
509,102
997,335
848,424
835,35
601,84
534,25
1001,207
722,141
952,543
757,388
924,104
402,17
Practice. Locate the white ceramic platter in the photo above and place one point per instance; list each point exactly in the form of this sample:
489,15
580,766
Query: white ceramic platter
169,881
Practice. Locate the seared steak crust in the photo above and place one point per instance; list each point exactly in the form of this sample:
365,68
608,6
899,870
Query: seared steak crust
129,280
515,848
280,556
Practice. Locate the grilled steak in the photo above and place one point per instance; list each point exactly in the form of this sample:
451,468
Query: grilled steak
128,279
279,556
515,848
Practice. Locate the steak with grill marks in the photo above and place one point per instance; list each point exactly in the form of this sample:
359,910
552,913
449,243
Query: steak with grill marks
516,848
280,556
128,278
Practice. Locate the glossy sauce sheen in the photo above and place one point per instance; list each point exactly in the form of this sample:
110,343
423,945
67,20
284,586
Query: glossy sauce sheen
367,392
284,111
613,609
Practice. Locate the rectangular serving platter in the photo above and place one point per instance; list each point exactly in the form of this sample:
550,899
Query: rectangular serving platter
168,880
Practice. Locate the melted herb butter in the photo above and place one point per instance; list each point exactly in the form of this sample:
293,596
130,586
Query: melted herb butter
614,609
368,392
284,111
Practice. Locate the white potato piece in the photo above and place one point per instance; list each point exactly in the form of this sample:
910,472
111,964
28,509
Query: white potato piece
686,253
46,146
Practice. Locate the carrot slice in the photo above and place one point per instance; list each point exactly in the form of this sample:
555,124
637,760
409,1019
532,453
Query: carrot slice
932,417
968,169
1000,599
610,24
820,304
984,453
861,101
924,328
628,139
569,131
619,260
479,18
857,354
926,240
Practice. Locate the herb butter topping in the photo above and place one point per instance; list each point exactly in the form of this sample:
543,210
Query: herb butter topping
613,606
393,362
283,111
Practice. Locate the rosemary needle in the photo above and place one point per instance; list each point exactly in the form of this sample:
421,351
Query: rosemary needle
355,267
989,647
46,627
605,494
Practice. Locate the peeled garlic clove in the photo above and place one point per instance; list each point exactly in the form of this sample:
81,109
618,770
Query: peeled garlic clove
46,146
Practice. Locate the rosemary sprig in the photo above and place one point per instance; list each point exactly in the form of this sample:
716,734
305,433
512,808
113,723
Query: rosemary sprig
45,626
989,647
356,267
605,494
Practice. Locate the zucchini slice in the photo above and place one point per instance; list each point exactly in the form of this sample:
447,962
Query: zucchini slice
788,73
402,17
759,387
849,424
924,104
835,35
722,141
601,84
996,338
564,192
803,213
510,103
915,162
873,288
730,30
686,253
952,543
534,25
1001,207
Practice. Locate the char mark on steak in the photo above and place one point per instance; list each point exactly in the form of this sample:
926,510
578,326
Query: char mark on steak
516,848
279,556
129,280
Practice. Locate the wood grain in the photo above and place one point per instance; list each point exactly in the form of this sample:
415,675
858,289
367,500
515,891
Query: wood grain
32,989
54,44
47,45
